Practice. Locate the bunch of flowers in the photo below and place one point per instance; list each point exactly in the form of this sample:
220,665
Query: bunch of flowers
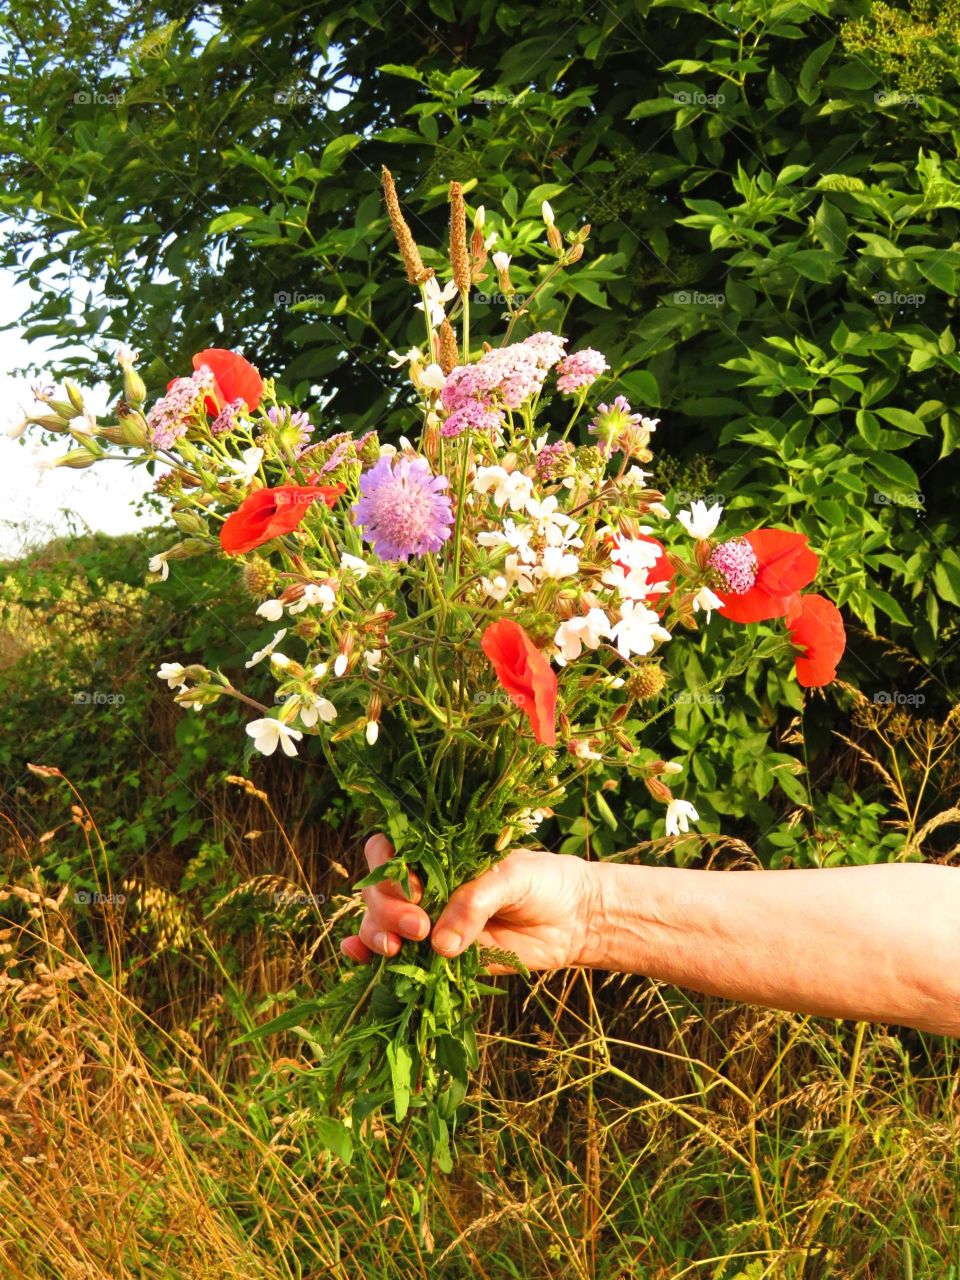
468,624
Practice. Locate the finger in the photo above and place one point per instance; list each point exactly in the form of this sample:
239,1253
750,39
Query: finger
380,941
395,915
379,850
354,949
471,906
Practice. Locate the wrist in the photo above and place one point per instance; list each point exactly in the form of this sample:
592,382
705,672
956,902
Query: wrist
603,896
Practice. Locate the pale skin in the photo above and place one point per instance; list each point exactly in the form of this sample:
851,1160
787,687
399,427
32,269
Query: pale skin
871,943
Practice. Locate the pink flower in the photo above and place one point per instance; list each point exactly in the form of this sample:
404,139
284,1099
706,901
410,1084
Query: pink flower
580,370
471,416
548,346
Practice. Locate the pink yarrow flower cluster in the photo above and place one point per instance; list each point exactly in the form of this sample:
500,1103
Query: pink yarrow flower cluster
226,419
170,417
580,370
506,375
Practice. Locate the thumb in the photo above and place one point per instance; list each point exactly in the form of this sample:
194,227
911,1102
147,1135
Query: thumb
471,906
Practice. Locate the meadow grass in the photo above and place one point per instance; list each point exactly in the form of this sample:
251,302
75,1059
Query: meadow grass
616,1128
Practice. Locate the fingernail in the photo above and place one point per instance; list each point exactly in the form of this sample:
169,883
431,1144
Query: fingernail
413,926
448,941
380,942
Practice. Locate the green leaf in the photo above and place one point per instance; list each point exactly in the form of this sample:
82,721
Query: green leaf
401,1064
333,1136
227,222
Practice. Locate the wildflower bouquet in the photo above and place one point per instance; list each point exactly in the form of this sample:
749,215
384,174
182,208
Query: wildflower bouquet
468,624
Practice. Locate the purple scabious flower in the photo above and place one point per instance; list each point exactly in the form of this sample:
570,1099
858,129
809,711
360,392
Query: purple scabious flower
171,416
403,510
736,562
580,370
472,416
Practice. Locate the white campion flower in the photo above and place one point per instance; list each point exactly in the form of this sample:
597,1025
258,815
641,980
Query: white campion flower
576,634
490,241
397,360
340,664
516,536
638,630
553,525
272,610
266,733
16,429
372,732
354,565
314,594
158,564
480,217
317,709
680,813
125,357
433,377
700,521
547,212
320,670
267,649
707,601
557,563
509,487
173,673
502,261
670,766
635,478
513,574
528,820
373,658
584,750
437,298
247,465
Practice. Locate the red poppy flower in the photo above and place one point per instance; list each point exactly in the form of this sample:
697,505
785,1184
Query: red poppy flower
267,513
526,674
235,378
785,563
816,627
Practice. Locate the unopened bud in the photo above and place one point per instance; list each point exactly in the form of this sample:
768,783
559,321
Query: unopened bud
575,254
74,395
77,459
504,839
659,790
134,388
554,238
49,421
702,552
188,522
189,547
133,426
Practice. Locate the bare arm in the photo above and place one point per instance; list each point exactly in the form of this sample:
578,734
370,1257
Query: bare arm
879,943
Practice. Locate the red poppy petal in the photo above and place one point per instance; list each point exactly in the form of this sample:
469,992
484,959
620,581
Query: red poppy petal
525,673
269,513
815,626
236,377
785,564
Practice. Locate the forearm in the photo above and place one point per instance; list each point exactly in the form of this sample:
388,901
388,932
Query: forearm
879,943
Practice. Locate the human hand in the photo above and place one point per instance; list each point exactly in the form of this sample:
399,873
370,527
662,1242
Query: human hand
537,905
